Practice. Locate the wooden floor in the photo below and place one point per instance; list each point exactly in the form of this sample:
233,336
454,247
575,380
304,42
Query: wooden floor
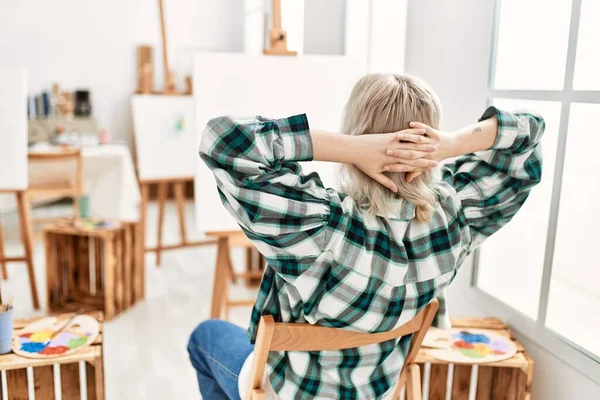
145,348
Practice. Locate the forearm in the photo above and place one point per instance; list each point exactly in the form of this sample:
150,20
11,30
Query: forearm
333,147
473,138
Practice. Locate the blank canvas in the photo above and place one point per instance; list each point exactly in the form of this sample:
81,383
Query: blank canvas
13,129
165,138
272,86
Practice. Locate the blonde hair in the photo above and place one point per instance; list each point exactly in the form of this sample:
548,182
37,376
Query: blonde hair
383,103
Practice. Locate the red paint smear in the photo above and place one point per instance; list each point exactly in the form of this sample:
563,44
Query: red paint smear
54,350
461,344
25,335
499,353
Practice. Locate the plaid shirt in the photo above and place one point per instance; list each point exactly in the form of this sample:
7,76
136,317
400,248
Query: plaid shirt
331,264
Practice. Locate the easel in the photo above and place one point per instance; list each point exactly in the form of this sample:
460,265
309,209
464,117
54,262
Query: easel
277,36
178,190
224,273
27,239
145,69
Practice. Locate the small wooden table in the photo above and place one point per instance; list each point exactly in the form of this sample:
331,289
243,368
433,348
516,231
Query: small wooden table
100,269
81,370
506,379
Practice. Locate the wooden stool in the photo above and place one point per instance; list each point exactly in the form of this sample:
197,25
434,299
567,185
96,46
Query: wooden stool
506,379
88,361
101,269
224,273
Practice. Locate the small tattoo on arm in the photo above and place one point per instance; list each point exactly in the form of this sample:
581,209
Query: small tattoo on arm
476,130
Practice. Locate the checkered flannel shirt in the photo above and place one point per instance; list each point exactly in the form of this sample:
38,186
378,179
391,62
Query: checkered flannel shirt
331,264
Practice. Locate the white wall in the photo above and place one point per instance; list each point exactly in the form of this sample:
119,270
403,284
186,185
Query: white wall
324,26
92,44
448,45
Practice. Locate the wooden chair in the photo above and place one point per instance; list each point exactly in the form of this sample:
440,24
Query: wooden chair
72,189
305,337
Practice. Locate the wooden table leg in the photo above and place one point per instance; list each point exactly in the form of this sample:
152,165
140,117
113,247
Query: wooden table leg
220,278
178,188
162,198
27,238
3,271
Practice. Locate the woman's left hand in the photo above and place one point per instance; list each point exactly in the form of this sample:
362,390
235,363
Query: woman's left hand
404,151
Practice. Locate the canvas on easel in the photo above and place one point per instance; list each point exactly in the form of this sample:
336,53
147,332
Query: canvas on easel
13,129
164,135
165,139
271,86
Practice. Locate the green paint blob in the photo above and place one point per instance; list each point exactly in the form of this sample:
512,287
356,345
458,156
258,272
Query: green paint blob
75,343
471,353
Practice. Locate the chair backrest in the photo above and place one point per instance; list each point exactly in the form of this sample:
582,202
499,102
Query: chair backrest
273,336
64,155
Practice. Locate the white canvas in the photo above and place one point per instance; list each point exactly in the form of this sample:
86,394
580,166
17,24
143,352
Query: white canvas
165,137
245,85
13,129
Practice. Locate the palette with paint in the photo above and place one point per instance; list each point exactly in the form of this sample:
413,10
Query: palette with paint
78,334
469,346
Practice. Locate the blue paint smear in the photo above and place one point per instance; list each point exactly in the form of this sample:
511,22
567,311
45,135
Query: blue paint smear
471,337
33,347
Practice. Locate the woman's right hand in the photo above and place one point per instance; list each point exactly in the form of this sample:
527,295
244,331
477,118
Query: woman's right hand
445,143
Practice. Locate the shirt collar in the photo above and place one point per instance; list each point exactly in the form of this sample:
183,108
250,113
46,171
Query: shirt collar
399,209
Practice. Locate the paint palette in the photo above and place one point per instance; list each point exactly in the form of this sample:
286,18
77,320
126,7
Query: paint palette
468,346
31,341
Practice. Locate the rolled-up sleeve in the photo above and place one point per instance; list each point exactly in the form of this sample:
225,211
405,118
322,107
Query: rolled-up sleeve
493,185
255,163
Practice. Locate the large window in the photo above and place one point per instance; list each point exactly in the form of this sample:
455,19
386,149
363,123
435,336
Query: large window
543,269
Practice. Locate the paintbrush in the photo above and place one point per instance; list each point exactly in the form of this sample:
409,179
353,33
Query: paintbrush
5,307
62,328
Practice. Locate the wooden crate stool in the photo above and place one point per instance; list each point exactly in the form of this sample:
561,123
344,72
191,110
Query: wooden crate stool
100,269
509,379
273,336
224,273
81,371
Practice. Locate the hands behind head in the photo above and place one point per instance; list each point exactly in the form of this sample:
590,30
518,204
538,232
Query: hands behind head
414,150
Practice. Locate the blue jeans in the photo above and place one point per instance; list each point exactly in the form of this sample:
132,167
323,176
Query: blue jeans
217,351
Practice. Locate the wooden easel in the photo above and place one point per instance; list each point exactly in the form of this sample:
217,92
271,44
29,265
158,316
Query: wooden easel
224,273
144,68
178,190
170,84
277,36
26,238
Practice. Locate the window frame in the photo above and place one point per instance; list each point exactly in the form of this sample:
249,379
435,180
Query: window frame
536,330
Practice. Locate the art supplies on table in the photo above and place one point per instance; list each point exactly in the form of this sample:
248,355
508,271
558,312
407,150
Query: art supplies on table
468,346
91,224
51,337
104,137
83,105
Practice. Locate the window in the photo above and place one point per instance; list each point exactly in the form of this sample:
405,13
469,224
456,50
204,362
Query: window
542,271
